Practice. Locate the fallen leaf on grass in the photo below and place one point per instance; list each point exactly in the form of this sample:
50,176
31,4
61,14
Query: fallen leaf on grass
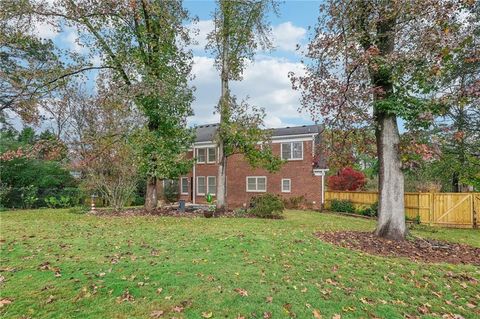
269,299
177,309
207,314
159,290
316,314
423,309
50,299
126,296
4,302
156,314
267,315
241,292
2,279
336,316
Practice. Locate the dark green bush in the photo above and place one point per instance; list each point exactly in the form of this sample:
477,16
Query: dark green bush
343,206
267,206
371,211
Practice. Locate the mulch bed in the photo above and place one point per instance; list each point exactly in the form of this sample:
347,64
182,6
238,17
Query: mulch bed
416,249
166,211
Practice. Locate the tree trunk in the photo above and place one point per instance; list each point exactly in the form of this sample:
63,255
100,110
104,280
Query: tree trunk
222,178
151,194
224,118
391,210
455,183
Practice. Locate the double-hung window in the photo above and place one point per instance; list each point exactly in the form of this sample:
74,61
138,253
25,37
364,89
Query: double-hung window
286,185
212,185
292,151
256,184
206,155
201,186
206,185
201,155
211,157
184,185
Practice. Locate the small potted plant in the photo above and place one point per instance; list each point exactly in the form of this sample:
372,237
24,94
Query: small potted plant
211,207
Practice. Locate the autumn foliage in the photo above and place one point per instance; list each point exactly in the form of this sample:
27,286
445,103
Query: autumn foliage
347,179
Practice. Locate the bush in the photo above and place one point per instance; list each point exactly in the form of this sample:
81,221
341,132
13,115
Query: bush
347,179
294,202
267,206
343,206
371,211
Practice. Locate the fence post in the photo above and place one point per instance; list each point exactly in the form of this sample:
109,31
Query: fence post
475,210
432,208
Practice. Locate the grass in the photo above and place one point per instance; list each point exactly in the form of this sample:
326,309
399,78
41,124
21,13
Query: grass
201,262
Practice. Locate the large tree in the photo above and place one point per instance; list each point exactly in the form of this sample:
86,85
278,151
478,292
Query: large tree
240,29
378,61
143,45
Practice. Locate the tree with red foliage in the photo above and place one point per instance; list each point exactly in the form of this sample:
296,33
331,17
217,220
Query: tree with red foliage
347,179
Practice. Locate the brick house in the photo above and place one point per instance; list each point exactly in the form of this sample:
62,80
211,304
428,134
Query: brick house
301,175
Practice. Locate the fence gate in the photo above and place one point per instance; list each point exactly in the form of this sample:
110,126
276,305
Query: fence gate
453,209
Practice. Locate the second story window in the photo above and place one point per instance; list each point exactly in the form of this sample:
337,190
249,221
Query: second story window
292,151
206,155
201,155
212,156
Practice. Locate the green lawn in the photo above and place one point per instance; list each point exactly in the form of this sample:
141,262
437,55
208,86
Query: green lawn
198,264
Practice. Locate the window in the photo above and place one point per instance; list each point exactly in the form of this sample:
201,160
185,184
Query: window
212,185
256,184
184,185
201,155
201,187
292,151
286,185
211,155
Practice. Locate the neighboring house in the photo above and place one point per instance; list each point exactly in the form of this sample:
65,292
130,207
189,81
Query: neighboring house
301,175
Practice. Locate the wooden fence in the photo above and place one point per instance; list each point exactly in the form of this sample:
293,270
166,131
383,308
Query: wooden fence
444,209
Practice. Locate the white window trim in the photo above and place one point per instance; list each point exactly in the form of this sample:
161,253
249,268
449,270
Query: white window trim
205,184
198,157
207,152
289,183
214,193
291,151
181,185
256,184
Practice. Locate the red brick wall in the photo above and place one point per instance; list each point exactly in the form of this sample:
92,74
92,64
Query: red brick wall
303,183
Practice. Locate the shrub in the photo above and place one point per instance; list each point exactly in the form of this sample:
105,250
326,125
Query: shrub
29,196
347,179
267,206
371,211
343,206
294,202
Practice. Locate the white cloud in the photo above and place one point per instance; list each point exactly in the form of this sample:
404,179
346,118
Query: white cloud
199,31
45,30
265,82
70,37
287,36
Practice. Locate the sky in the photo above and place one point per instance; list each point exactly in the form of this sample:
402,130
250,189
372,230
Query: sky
265,80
